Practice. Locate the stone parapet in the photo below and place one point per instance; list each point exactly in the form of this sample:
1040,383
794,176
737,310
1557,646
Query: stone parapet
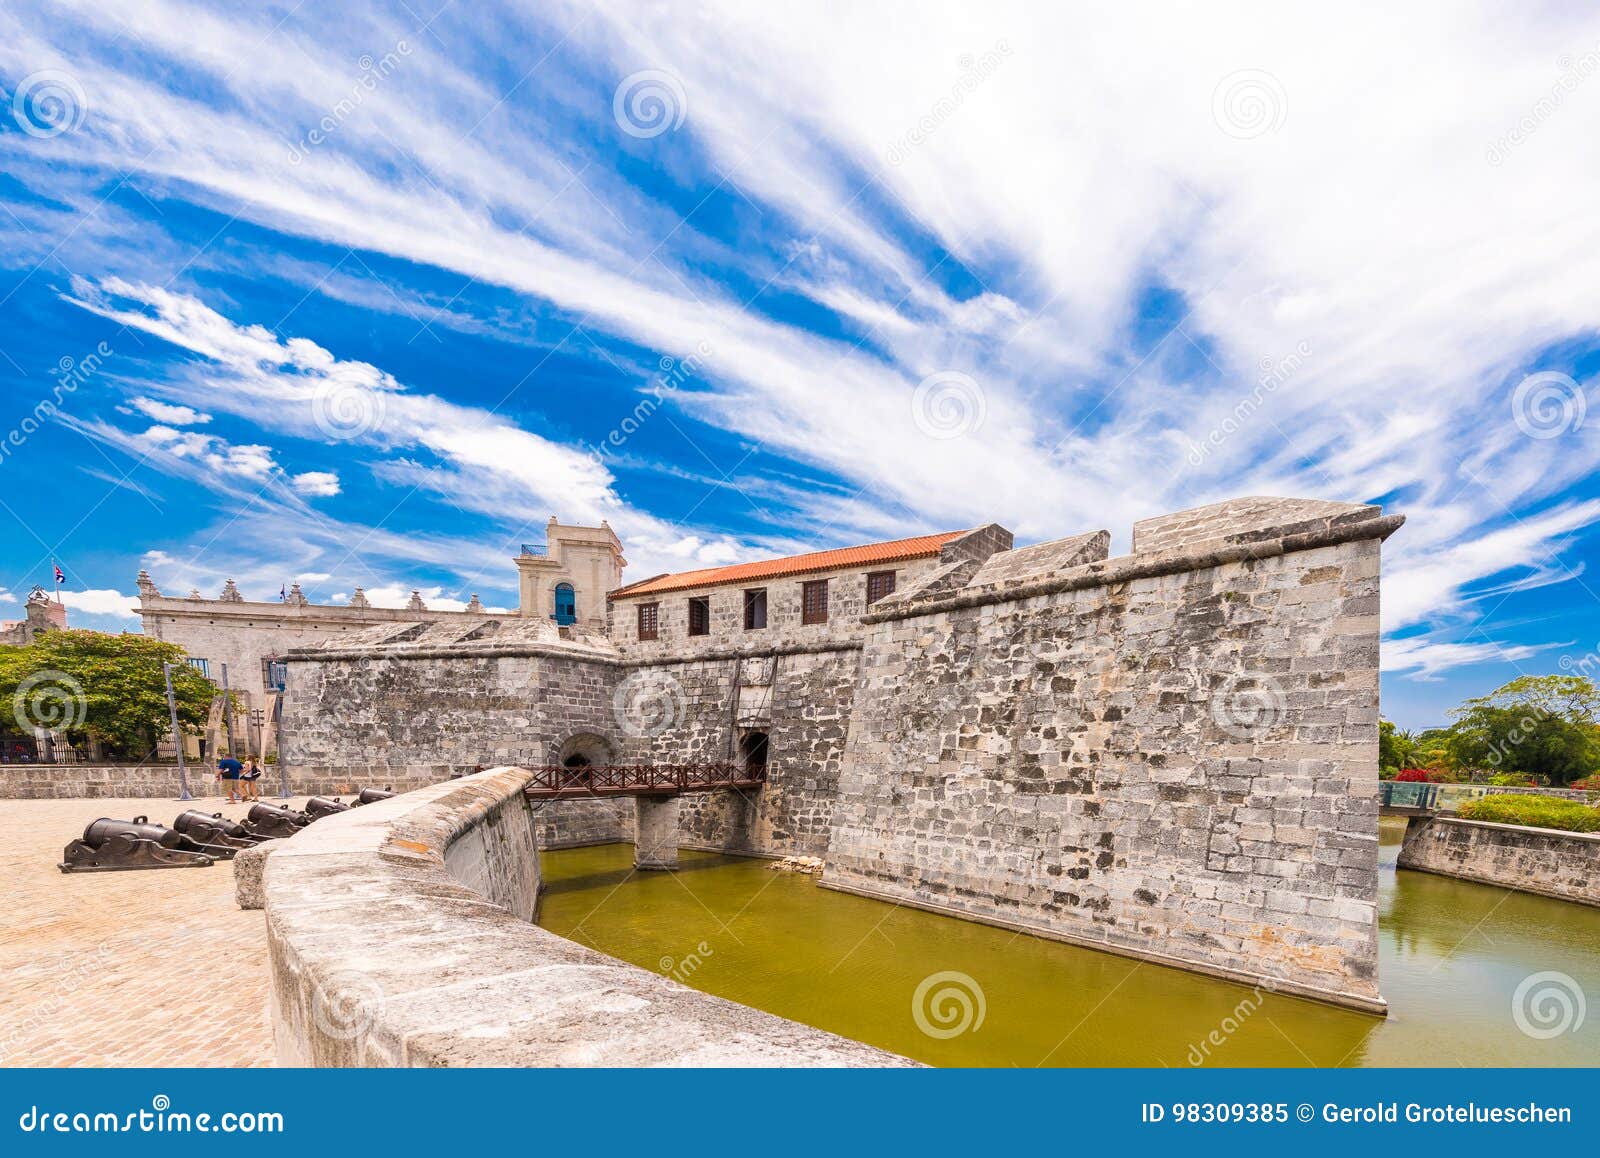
1358,524
399,935
1546,861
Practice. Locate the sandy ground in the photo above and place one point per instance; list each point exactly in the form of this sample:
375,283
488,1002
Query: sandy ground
154,968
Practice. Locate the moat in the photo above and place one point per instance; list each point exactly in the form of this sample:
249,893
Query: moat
1452,956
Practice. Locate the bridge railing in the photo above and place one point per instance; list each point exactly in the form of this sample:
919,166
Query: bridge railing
633,779
1450,797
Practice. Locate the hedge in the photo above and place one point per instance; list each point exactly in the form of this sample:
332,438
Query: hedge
1533,811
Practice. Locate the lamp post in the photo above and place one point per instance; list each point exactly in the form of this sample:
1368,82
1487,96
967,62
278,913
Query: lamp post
177,736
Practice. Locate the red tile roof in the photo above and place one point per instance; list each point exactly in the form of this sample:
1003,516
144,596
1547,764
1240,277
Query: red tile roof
865,555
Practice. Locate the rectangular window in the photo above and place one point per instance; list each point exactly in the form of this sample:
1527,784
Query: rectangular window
814,601
700,615
649,618
755,609
879,584
201,665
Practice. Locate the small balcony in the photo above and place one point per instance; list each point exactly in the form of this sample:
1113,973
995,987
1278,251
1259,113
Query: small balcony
536,549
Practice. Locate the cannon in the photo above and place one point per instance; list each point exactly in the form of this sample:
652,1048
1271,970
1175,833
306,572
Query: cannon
112,845
214,834
319,806
373,795
266,821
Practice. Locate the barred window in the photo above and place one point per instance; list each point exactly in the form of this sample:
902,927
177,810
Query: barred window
649,618
879,584
814,601
700,615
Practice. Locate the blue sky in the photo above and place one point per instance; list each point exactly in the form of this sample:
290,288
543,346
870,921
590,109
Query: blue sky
364,300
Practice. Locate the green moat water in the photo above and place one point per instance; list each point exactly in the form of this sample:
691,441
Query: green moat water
1453,955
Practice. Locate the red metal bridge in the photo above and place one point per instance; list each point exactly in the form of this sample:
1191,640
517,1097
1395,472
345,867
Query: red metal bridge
559,782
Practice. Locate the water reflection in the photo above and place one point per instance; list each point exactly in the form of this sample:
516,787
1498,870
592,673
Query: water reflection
1452,955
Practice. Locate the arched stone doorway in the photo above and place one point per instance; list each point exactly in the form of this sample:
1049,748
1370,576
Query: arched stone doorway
583,749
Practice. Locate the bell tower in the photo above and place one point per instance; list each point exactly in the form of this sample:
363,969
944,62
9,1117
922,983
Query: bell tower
565,578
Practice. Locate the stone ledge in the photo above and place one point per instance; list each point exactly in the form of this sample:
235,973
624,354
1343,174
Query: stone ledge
380,955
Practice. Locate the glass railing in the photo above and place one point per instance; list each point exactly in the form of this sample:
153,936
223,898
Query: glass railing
1450,797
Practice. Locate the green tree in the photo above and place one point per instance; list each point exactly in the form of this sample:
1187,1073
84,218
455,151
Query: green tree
1397,749
1538,725
109,687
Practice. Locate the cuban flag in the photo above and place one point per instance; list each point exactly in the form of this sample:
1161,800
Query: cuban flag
283,594
60,577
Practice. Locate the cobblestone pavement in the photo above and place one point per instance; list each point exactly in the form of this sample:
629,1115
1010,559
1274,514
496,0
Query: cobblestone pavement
156,968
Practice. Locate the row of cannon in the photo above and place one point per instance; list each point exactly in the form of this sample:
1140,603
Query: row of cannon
196,839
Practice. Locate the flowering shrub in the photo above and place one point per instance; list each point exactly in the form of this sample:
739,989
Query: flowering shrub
1535,811
1590,782
1419,776
1511,780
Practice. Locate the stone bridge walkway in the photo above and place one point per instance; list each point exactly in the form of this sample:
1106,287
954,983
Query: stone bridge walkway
152,968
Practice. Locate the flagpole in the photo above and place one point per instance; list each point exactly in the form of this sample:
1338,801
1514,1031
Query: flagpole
55,573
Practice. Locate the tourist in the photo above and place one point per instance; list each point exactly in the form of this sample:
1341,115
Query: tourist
228,771
249,779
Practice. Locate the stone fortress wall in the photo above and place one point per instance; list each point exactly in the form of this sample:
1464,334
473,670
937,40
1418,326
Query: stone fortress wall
1545,861
1171,754
244,634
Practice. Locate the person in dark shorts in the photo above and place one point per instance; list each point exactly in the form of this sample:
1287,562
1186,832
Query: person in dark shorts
249,779
229,771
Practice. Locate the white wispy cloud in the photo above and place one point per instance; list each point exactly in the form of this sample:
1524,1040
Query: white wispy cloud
1367,225
167,414
317,483
101,601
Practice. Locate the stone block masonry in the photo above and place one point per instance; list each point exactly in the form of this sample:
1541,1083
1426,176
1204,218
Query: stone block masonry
1171,755
399,935
1565,865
